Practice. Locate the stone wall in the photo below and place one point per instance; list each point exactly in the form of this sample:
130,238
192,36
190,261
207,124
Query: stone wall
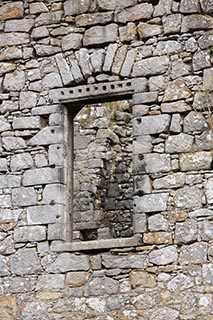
64,51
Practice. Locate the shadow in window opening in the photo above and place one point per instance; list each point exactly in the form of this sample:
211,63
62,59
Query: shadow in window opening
102,172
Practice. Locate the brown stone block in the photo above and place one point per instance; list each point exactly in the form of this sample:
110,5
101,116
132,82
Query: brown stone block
8,308
142,279
157,238
11,11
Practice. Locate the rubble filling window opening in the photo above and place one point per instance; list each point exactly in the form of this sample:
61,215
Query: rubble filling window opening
102,201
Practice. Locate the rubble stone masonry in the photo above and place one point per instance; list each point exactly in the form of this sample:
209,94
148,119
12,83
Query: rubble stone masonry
124,231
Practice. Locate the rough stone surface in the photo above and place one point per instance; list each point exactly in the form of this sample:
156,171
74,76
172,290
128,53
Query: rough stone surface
151,203
140,11
163,256
188,197
150,66
179,143
106,159
69,262
100,35
196,161
194,253
25,262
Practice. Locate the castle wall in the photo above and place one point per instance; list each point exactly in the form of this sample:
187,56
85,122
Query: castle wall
54,54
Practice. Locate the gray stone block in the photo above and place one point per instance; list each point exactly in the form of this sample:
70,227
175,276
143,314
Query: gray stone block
71,7
52,80
186,232
207,272
165,313
145,97
195,253
56,154
4,269
97,60
72,41
172,23
11,10
150,66
180,69
179,143
47,18
6,67
119,59
201,59
208,79
151,163
21,161
30,233
48,135
128,32
13,143
151,125
69,262
128,63
25,262
196,161
209,190
142,184
188,197
103,285
7,246
206,230
50,282
27,123
96,18
24,197
42,176
163,8
189,6
13,39
99,35
176,90
130,261
138,12
206,40
76,71
194,121
181,282
175,180
45,214
10,181
139,223
28,99
40,32
163,256
84,62
3,165
157,223
14,81
115,4
4,124
196,22
64,69
110,54
43,50
17,25
155,202
177,106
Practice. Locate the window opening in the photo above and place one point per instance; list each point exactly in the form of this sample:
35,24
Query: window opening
102,172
